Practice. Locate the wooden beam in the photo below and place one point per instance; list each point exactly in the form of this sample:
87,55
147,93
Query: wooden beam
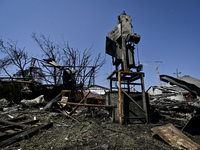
133,101
25,134
79,103
87,105
18,119
20,125
50,104
63,112
144,99
4,128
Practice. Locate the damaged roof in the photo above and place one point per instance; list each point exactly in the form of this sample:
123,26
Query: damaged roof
186,82
92,95
190,80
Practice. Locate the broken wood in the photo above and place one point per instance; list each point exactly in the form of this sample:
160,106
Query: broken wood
20,125
5,136
175,137
63,112
79,103
134,101
4,128
18,119
50,104
25,134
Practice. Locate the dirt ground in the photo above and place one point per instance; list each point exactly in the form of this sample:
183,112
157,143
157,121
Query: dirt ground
89,132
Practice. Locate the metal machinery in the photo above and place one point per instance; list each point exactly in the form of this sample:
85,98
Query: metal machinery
120,45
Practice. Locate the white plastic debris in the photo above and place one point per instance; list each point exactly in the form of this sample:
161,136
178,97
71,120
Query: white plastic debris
33,102
11,116
66,139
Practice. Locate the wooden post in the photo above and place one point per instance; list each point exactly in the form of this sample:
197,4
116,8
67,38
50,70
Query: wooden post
144,98
120,98
111,84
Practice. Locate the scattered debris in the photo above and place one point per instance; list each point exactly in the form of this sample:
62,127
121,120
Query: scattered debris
50,104
192,87
3,102
173,103
13,108
92,125
34,102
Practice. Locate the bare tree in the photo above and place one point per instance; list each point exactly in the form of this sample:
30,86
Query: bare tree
71,58
50,52
14,55
82,62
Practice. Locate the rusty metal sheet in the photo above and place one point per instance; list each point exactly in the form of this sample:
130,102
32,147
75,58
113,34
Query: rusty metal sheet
175,137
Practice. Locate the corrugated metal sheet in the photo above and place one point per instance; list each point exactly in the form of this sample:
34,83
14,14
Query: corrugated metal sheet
186,85
190,80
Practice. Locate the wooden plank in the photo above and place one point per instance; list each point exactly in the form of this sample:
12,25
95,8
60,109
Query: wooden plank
110,76
25,134
5,136
63,112
87,105
30,122
4,128
20,125
50,104
17,119
133,101
2,134
144,99
79,103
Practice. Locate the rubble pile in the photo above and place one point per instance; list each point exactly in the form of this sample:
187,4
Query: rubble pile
87,124
89,132
176,103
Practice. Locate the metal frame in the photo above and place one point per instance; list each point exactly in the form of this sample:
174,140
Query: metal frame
128,78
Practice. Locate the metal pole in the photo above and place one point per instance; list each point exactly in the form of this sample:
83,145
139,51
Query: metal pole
120,98
124,55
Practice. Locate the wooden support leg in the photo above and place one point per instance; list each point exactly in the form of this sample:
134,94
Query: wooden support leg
144,99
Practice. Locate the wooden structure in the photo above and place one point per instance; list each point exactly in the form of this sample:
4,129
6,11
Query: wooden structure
125,79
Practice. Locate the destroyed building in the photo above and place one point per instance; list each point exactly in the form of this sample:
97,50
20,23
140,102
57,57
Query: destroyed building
175,104
178,102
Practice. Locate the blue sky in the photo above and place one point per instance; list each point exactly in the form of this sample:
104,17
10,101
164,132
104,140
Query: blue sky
169,29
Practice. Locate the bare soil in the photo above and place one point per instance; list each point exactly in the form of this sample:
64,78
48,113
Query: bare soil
92,131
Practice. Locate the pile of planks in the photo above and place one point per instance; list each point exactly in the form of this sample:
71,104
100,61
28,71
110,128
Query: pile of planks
17,129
